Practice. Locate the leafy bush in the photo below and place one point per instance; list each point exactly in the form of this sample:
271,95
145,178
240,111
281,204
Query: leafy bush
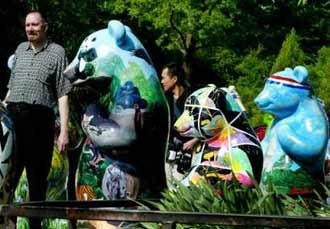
232,197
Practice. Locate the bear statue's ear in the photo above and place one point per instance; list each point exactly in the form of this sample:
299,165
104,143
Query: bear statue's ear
128,29
117,30
301,74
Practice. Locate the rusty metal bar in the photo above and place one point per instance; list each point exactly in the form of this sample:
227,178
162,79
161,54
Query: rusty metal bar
168,219
126,203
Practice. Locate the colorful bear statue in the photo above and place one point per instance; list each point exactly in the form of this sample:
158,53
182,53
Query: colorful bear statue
228,146
7,146
296,142
126,122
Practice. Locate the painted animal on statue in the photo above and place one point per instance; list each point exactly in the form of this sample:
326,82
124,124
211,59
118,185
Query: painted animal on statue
296,142
228,145
127,124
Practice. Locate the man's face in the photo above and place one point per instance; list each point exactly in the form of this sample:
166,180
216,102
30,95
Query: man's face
168,81
35,27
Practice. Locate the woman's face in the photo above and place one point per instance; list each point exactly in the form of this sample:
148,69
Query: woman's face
168,81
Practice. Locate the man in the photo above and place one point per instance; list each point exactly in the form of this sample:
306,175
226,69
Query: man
176,87
35,86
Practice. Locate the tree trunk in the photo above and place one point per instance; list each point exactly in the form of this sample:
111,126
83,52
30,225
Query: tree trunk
188,53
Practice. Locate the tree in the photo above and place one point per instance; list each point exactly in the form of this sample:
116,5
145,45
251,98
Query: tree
319,75
253,71
290,54
183,25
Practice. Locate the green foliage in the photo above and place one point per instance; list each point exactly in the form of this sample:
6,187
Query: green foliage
253,71
176,20
23,223
290,54
223,62
320,76
229,197
181,27
323,209
232,197
302,2
55,224
225,197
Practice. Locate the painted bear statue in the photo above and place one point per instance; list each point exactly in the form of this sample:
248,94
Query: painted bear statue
295,144
126,122
7,146
228,146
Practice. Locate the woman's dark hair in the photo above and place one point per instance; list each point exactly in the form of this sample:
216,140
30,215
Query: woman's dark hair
175,69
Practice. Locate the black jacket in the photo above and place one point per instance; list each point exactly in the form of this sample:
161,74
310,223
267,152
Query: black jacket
180,104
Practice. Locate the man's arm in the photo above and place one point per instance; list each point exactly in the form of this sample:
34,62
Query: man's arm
6,97
63,138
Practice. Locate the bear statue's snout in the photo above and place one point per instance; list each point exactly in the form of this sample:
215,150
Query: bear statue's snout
184,124
263,99
257,101
87,55
73,74
81,67
80,70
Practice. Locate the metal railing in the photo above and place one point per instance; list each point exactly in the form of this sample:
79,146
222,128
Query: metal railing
112,211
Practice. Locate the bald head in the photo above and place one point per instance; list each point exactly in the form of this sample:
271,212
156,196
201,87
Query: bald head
37,14
35,28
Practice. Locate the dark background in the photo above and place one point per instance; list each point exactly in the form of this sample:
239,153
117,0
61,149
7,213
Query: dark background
12,14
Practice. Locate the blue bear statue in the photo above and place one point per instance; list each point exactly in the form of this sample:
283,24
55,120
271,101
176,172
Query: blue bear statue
295,144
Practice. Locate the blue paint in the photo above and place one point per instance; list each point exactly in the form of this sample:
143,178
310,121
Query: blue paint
295,144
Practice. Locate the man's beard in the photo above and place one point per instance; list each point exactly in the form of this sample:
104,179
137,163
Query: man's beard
31,37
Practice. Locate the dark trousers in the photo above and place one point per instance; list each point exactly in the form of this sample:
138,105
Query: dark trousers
34,128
